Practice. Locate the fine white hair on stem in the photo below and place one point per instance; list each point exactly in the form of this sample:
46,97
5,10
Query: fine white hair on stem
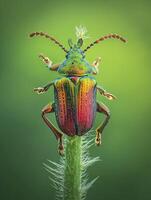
81,32
61,172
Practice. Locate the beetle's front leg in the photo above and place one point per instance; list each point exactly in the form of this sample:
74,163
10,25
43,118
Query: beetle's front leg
49,109
101,108
48,62
95,64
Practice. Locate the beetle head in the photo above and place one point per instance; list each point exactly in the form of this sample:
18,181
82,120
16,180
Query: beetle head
75,63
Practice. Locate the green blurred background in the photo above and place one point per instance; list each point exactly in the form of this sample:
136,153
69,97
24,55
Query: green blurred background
125,71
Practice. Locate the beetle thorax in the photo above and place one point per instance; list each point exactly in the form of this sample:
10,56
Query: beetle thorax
75,63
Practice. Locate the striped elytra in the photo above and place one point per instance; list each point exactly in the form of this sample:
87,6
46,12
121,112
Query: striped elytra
75,104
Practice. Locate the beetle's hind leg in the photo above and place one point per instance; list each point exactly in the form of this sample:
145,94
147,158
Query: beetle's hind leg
49,109
101,108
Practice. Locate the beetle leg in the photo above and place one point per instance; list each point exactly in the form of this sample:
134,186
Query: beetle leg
95,64
48,62
41,90
49,109
101,108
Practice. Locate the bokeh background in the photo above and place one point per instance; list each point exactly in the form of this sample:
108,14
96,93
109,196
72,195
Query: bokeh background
125,71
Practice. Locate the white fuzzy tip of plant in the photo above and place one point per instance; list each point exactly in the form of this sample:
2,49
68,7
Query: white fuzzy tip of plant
81,32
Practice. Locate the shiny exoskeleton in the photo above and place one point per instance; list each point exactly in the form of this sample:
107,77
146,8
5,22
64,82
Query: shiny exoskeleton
75,103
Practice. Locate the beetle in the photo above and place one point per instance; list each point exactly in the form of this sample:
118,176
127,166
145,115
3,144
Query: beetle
75,103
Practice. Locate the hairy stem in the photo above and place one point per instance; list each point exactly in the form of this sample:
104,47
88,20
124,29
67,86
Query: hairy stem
68,176
72,171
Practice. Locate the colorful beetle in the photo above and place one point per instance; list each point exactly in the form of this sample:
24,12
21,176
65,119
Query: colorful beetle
75,104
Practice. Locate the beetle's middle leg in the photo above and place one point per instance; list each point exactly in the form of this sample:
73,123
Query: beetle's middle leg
101,108
49,109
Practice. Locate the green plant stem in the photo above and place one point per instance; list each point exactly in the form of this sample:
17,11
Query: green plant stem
72,171
69,177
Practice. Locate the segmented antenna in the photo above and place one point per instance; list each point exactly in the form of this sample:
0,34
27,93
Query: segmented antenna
49,37
110,36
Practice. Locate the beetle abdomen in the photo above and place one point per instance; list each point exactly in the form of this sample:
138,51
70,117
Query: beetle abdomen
75,104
